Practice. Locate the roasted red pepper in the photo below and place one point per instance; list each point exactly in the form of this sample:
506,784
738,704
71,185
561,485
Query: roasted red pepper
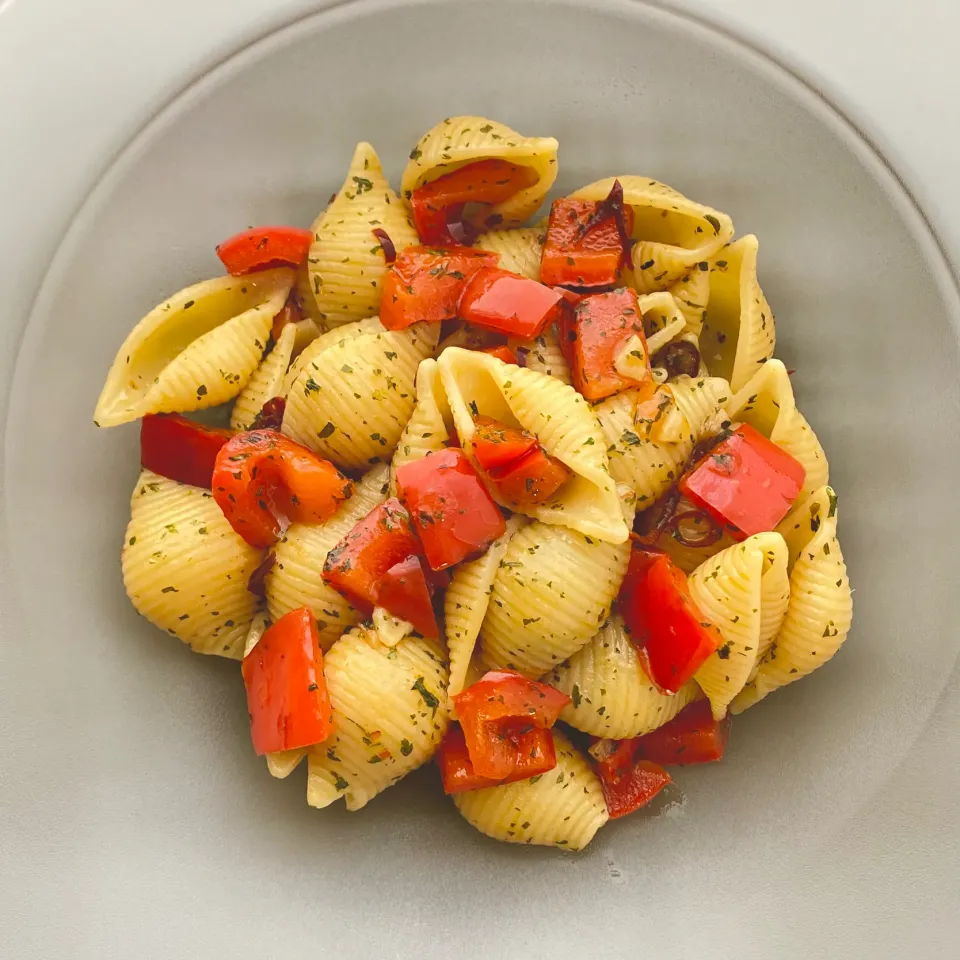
532,479
669,631
746,482
498,300
180,449
628,782
439,207
692,736
536,754
503,353
426,284
593,333
497,711
286,691
290,312
495,444
357,564
263,247
264,481
404,592
451,509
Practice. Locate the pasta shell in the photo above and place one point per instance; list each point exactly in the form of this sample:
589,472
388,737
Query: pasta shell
543,354
266,382
692,293
428,428
197,349
520,249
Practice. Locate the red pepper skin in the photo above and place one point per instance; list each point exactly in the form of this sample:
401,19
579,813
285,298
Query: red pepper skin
263,481
692,736
498,300
262,247
671,634
286,691
746,482
403,591
628,783
442,201
180,449
495,444
503,353
356,566
426,283
451,509
532,479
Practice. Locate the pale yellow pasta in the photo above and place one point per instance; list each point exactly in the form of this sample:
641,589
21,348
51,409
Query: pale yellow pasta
766,402
457,141
519,249
266,382
353,395
611,694
465,604
662,319
389,716
743,591
738,333
295,579
543,354
553,590
185,569
821,604
563,807
692,293
195,350
428,429
477,383
346,261
303,288
674,234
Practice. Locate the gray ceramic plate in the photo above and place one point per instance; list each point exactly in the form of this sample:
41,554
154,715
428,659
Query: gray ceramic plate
138,821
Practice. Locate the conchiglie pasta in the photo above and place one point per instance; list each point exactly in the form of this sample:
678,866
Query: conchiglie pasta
389,716
353,395
820,609
295,579
692,293
766,402
744,591
611,694
185,569
520,249
458,141
428,429
346,262
195,350
562,808
266,382
543,354
562,421
673,234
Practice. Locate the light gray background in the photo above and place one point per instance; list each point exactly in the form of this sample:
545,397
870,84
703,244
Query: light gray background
88,873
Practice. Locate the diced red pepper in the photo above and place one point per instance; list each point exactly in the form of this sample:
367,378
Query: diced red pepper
290,312
692,736
503,353
496,444
536,754
287,694
497,710
271,414
498,300
180,449
532,479
746,482
262,247
440,204
357,564
591,336
264,481
628,783
671,634
426,284
451,508
403,591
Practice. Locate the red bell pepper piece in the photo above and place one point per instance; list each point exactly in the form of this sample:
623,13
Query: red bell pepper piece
692,736
495,444
426,284
451,508
628,783
746,482
498,300
591,336
180,449
441,203
404,592
536,754
290,312
357,564
532,479
264,481
503,353
669,631
287,694
497,710
262,247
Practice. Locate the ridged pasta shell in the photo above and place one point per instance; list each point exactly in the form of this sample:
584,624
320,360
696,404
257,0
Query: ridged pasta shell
612,696
197,349
428,428
346,262
185,569
564,424
457,141
692,293
543,354
520,249
267,381
673,234
561,808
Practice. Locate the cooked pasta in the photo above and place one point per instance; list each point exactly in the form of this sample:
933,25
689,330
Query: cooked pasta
519,249
266,382
429,426
692,293
543,354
